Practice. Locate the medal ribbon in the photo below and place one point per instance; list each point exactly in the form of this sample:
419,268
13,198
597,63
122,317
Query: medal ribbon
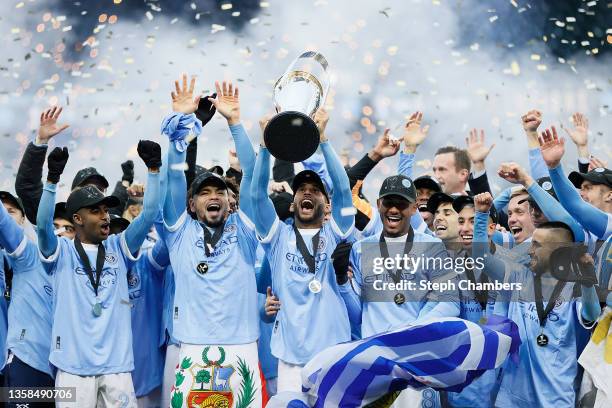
481,295
94,276
384,252
539,299
210,240
301,246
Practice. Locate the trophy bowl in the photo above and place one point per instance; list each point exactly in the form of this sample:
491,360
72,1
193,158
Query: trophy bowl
292,134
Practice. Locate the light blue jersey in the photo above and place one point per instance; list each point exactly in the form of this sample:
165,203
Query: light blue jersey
307,322
82,343
145,285
3,312
215,298
544,376
381,316
29,312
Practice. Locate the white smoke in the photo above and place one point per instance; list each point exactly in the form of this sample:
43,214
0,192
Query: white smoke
394,57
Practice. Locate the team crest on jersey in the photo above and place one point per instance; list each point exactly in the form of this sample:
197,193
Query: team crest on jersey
230,228
133,279
110,258
210,383
322,243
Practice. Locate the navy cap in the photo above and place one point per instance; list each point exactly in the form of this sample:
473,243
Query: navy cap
427,182
207,178
599,175
87,174
398,185
88,196
436,199
5,195
308,176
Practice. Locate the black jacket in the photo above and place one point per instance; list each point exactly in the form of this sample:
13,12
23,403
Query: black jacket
28,183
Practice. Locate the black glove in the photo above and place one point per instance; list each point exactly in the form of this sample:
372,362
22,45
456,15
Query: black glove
340,259
150,153
128,171
206,110
57,162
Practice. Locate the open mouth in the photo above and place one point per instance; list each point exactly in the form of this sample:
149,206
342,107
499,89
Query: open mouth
307,205
213,209
423,207
440,228
467,237
516,230
393,220
105,228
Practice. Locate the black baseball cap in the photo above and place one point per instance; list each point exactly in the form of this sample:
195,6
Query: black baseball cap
61,212
218,170
427,182
86,174
308,176
599,175
436,199
462,201
118,222
5,195
88,196
207,178
398,185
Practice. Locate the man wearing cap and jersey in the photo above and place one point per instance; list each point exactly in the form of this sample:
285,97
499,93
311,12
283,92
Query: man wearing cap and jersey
91,344
426,186
381,308
215,314
29,291
313,315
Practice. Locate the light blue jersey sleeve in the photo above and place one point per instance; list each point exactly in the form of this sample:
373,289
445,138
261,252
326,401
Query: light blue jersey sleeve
159,256
554,211
11,234
406,164
590,304
342,198
246,156
351,290
316,163
264,213
502,200
590,217
493,267
537,166
47,241
177,127
138,229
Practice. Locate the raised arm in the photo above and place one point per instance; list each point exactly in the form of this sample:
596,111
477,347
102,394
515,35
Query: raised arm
531,121
550,207
11,234
590,217
264,214
227,104
135,234
47,241
493,266
342,198
180,126
28,183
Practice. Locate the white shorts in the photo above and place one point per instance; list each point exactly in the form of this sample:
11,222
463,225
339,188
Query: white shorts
289,377
108,390
217,375
172,353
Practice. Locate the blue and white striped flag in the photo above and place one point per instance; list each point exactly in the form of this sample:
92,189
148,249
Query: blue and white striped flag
445,354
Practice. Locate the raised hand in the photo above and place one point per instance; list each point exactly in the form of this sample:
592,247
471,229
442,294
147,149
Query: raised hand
595,163
531,121
483,202
234,163
579,134
477,150
57,162
127,168
136,190
183,100
272,303
206,110
150,153
514,173
48,125
414,135
385,147
552,147
321,118
227,102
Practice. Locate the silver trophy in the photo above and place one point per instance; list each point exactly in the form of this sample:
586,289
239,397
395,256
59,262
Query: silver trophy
292,134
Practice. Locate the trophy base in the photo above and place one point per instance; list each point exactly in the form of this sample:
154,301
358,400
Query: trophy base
291,136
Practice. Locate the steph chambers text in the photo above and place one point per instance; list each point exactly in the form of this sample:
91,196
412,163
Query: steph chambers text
464,285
